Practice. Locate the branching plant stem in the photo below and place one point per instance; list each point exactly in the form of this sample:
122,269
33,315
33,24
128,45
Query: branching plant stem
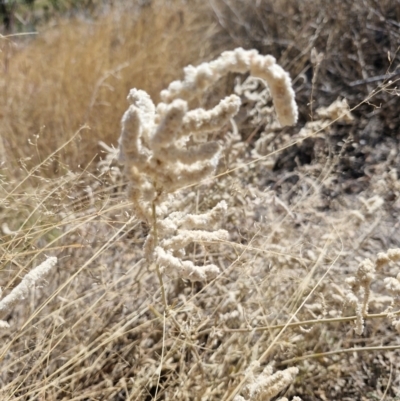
305,323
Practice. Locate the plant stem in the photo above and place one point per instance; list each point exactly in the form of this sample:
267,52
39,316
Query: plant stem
159,275
339,351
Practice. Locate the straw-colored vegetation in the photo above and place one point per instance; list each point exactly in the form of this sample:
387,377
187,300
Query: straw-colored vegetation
223,255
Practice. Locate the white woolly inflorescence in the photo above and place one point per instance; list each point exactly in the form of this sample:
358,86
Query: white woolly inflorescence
266,385
163,149
21,291
197,79
360,284
166,147
179,230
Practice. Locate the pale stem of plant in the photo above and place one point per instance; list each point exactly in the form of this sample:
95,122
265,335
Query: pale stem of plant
159,275
162,356
340,351
304,323
366,299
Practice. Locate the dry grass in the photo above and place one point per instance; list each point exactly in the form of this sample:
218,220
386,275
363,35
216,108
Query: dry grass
73,74
96,330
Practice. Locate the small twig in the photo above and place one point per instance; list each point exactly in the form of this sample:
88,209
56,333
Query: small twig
100,83
340,351
377,78
389,383
11,35
155,312
361,60
305,323
316,59
162,357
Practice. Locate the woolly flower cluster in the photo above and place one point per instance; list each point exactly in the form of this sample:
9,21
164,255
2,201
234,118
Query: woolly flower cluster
361,284
338,111
179,230
21,291
266,385
165,147
197,79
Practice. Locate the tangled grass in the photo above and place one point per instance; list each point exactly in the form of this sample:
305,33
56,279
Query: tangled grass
306,300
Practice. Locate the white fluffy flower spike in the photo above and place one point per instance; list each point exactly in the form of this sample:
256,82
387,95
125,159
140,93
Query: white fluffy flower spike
166,147
21,291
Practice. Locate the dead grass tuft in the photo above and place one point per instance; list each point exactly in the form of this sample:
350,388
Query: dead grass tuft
306,259
77,72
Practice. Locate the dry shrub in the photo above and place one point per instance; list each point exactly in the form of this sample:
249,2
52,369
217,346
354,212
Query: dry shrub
355,51
77,72
98,329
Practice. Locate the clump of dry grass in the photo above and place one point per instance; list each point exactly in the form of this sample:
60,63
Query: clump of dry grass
98,328
73,73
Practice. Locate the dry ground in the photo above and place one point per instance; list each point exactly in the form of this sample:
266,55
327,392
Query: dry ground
305,207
